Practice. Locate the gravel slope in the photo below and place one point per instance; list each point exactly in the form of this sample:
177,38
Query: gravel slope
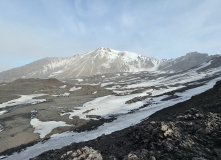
189,130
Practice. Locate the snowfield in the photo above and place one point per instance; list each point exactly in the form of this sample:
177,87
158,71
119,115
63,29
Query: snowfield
106,106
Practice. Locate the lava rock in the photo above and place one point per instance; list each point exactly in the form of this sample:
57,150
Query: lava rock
83,153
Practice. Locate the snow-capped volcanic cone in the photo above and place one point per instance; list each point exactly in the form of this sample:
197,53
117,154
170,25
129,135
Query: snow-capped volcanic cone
102,60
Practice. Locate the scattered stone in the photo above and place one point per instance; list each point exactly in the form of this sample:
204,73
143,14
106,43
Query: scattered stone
168,132
131,157
152,158
93,116
164,128
136,99
83,153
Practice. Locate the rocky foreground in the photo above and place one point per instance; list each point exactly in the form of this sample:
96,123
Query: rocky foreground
189,130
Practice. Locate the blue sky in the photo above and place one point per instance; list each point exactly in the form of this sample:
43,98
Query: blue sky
34,29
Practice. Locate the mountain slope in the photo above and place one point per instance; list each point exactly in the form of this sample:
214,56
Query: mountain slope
185,62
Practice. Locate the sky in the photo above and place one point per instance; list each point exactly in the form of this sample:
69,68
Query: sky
35,29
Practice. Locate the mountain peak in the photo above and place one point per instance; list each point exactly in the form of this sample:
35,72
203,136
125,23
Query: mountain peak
195,53
103,49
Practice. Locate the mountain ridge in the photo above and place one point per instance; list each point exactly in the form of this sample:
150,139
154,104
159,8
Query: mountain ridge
101,61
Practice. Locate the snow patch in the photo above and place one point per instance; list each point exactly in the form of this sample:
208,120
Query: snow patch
94,92
62,95
23,99
44,128
66,94
79,80
74,89
204,65
1,128
105,84
64,86
2,112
